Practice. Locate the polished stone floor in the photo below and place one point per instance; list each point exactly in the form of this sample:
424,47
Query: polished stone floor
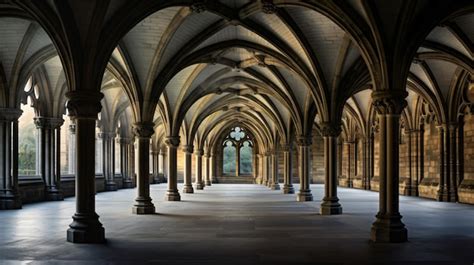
239,224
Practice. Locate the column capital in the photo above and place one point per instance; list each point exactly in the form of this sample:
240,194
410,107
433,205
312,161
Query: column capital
84,104
329,129
125,140
48,122
188,149
285,147
389,101
143,129
107,135
72,128
199,152
304,140
10,114
172,141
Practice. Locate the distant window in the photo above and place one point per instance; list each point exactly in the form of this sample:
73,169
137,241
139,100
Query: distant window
28,157
237,153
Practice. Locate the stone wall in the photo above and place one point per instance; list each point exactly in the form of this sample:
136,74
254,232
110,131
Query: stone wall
466,187
429,185
317,159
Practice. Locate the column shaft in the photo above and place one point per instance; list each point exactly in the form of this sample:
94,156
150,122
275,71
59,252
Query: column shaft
330,204
287,171
9,196
388,226
199,184
172,194
188,187
207,168
304,143
143,205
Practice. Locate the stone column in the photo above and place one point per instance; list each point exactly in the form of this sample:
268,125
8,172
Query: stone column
188,186
371,159
415,162
207,176
9,196
304,144
199,184
330,204
409,190
339,158
274,169
125,155
108,157
443,191
287,170
172,194
143,205
366,163
161,165
72,148
452,163
83,108
213,168
50,155
348,145
388,226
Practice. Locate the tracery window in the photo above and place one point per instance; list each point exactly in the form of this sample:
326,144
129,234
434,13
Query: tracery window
28,157
237,153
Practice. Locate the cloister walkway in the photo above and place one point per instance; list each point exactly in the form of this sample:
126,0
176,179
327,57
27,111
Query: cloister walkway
238,224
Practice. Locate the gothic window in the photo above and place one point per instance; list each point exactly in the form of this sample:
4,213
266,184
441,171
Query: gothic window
28,157
237,153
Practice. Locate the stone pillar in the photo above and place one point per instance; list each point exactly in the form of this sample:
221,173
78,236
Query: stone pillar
108,156
366,163
50,155
443,191
199,184
274,169
452,163
388,226
161,165
415,162
371,159
266,169
287,170
172,194
207,168
83,108
304,144
330,204
9,196
339,157
72,148
188,186
143,205
213,168
409,190
156,178
126,148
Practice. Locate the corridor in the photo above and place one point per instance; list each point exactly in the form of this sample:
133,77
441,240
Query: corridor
238,224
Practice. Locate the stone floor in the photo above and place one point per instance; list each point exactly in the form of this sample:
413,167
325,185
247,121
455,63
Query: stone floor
239,224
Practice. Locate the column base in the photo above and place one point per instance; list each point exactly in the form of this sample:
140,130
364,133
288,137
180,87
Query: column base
157,180
199,185
10,201
330,206
350,184
388,230
214,181
275,186
443,195
143,206
288,189
208,183
54,195
304,196
128,184
110,186
86,228
188,188
172,195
